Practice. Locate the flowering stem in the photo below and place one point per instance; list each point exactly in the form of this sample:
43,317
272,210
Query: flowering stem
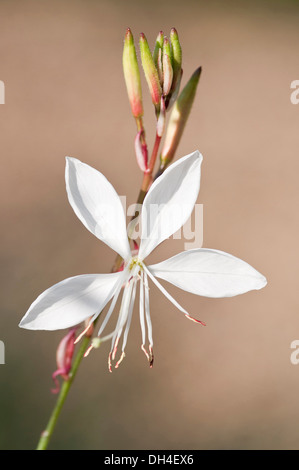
148,176
47,433
147,180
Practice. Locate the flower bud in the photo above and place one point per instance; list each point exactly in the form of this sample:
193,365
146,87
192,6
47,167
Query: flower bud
176,60
150,71
158,47
167,74
159,66
176,54
167,49
64,355
178,118
132,75
157,55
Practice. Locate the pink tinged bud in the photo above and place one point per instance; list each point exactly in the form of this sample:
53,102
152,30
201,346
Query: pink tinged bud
132,75
167,48
64,355
150,71
159,66
167,74
161,118
167,66
178,118
141,151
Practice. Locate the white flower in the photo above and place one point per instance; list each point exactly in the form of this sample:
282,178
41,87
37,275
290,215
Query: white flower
167,206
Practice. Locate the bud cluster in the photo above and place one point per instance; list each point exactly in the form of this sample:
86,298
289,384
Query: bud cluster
163,73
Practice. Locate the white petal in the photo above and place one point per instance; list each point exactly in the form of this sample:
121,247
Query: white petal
210,273
97,205
70,302
169,202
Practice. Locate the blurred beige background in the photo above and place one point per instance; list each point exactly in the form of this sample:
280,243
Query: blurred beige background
230,385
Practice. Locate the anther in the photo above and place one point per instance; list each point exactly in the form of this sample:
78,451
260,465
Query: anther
109,362
151,360
120,359
83,333
194,319
145,352
88,350
115,348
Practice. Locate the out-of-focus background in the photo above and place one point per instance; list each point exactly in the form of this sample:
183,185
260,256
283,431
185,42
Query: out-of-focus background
230,385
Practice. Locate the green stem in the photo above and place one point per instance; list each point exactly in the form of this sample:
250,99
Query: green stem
47,433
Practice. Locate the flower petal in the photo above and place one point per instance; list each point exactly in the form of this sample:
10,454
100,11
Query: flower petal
97,205
210,273
71,301
169,202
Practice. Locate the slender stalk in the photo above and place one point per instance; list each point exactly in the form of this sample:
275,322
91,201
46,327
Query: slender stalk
147,180
47,433
148,176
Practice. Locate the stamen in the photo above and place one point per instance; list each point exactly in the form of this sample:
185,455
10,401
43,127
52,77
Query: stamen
88,350
151,360
83,332
145,352
169,297
149,355
115,348
147,311
141,311
109,362
195,320
123,314
112,306
120,359
129,316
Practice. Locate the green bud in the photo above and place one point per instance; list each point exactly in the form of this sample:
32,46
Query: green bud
158,46
176,53
132,75
167,74
167,48
167,67
176,60
157,56
150,71
178,118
